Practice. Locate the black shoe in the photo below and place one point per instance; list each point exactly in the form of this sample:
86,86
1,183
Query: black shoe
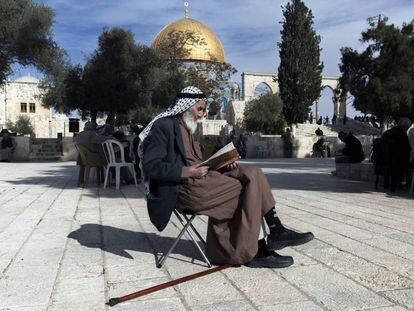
277,241
273,261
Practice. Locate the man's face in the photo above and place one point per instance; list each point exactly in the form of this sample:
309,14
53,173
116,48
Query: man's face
198,110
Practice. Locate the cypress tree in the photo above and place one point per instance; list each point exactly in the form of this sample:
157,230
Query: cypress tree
300,69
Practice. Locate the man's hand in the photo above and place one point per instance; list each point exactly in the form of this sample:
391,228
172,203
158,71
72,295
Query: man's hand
198,171
231,166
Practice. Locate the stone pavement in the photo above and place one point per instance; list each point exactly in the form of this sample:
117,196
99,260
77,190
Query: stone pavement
67,248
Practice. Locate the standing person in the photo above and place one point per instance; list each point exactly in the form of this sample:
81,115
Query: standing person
395,148
334,119
311,117
410,135
345,118
319,122
352,153
241,146
7,145
287,138
326,120
235,199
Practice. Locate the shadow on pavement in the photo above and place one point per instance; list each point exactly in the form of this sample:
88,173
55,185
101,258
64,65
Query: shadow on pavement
118,241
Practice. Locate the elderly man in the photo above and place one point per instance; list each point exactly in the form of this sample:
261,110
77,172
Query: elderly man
90,140
235,200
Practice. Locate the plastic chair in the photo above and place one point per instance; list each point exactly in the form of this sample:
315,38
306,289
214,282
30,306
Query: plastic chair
85,165
260,150
112,148
186,218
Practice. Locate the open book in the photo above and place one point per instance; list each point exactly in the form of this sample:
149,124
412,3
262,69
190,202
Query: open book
226,155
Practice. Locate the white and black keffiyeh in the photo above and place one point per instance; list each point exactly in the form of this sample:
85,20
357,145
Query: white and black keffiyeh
186,99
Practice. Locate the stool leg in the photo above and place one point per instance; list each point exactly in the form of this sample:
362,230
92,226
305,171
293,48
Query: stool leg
81,177
87,172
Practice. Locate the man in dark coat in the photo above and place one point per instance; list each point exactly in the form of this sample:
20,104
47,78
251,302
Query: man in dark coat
352,153
395,153
235,200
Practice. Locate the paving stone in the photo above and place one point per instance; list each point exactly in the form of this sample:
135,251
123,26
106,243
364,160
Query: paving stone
90,290
364,272
124,288
78,306
294,306
68,248
403,297
212,288
241,305
332,289
263,287
146,270
167,304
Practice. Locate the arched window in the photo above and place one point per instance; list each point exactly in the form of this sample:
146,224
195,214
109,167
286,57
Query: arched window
261,89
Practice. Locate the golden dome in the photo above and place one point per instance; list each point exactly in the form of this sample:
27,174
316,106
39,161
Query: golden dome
211,50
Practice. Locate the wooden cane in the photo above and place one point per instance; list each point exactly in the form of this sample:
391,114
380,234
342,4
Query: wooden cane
113,301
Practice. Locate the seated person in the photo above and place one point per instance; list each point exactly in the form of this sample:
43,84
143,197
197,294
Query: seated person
235,199
92,142
352,153
319,132
6,146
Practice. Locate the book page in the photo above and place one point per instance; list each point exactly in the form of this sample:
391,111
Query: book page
223,150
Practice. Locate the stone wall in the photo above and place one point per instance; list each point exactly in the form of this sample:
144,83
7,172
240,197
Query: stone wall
27,149
302,145
272,147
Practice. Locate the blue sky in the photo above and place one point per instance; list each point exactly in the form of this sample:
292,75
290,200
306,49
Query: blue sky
248,30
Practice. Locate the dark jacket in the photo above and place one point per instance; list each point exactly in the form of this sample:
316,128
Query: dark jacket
162,162
397,146
353,149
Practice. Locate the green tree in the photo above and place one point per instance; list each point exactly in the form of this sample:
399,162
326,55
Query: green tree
300,69
26,38
264,115
23,125
119,77
381,78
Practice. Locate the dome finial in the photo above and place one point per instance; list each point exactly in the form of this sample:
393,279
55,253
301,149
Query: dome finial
186,9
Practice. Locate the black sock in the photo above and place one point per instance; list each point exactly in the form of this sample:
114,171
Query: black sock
275,226
262,244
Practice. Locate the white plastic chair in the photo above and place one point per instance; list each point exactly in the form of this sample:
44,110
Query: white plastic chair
111,148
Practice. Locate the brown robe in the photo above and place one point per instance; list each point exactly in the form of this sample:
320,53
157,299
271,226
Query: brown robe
234,201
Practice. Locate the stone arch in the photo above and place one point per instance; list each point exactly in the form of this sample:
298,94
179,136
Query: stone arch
250,80
262,85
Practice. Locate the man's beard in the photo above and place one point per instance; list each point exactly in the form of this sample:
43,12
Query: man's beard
189,121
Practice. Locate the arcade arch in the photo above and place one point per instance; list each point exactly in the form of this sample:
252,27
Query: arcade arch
251,80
